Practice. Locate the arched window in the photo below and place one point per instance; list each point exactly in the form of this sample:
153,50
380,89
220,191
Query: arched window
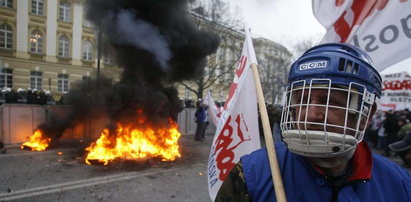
64,11
6,36
87,50
37,7
64,43
36,42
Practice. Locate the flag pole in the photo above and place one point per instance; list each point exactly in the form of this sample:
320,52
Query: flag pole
272,154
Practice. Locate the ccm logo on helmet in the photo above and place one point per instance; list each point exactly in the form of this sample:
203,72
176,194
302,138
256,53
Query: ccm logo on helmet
313,65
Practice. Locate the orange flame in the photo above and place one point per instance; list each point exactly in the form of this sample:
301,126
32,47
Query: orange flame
135,143
37,142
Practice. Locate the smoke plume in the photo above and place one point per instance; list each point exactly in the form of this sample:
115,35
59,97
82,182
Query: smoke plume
156,44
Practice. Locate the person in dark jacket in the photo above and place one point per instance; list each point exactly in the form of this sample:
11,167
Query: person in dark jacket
201,120
391,128
331,94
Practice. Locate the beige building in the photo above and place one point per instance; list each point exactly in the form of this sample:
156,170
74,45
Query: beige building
46,45
273,59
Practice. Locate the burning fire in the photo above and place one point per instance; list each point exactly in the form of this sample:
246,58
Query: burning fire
133,143
37,142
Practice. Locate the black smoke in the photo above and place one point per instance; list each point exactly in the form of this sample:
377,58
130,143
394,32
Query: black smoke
156,44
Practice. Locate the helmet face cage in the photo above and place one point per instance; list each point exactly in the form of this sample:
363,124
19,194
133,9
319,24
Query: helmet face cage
322,119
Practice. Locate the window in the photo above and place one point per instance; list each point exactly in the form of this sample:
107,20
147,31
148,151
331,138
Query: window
64,43
6,77
108,59
62,85
37,7
6,3
87,51
64,14
36,42
36,80
6,36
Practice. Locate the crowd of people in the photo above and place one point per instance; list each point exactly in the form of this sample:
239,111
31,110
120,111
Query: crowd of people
23,96
388,132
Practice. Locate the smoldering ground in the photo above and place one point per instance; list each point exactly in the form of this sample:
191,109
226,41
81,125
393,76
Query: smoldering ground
156,44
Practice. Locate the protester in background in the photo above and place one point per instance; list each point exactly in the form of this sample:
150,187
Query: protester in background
21,96
382,136
330,100
11,96
200,119
49,98
371,134
2,96
391,128
274,115
2,148
403,149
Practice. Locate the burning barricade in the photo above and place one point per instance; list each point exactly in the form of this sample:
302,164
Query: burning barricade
37,142
157,45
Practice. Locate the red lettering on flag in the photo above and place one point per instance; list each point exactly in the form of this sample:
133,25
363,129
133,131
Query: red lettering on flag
397,85
361,11
241,66
233,87
226,156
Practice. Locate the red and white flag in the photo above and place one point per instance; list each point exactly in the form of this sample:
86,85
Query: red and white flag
380,27
214,111
237,129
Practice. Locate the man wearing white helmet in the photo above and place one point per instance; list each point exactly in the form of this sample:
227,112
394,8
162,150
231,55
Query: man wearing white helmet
331,94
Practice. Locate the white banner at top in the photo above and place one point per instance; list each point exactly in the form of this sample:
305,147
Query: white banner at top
380,27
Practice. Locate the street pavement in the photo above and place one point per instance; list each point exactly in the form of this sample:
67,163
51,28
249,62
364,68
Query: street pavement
54,176
60,174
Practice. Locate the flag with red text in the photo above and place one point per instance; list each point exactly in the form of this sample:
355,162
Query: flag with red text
237,129
380,27
214,111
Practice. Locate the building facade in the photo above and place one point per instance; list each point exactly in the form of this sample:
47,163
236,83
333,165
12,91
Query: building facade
47,45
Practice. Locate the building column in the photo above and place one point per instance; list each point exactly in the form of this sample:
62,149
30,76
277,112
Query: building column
52,11
22,29
77,32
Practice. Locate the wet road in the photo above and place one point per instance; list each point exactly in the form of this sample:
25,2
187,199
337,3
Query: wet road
60,174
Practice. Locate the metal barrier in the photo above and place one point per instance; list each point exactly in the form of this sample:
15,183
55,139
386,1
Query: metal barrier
18,122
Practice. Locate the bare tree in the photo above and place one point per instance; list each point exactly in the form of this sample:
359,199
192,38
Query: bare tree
273,67
274,71
301,46
212,16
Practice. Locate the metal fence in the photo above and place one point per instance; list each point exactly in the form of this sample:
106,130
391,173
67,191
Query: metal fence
18,122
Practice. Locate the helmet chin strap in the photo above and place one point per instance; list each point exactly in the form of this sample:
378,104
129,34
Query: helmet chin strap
332,162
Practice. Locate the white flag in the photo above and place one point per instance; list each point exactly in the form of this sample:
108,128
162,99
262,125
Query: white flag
380,27
214,111
237,129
